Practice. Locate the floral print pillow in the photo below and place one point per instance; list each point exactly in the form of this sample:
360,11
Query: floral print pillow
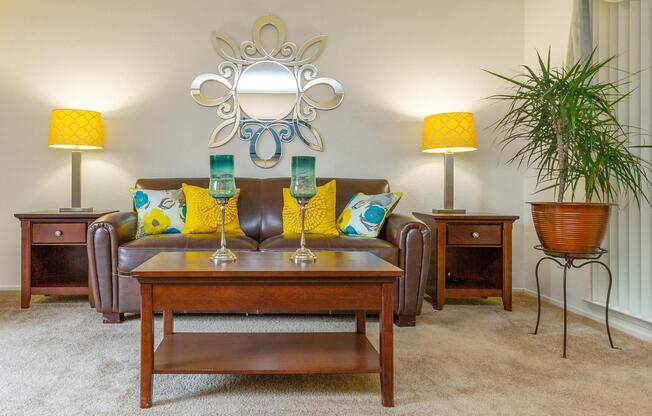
365,215
159,211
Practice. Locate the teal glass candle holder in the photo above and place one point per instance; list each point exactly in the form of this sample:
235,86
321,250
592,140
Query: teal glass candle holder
222,183
222,188
303,186
303,183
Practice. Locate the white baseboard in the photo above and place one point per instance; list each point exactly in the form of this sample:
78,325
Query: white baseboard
629,325
9,288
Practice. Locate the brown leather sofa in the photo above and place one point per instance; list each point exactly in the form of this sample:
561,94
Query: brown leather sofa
113,252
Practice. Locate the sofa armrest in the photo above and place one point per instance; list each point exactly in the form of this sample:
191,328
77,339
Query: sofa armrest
103,238
412,237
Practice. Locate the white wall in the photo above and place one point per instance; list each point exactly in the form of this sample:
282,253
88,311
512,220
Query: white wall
134,62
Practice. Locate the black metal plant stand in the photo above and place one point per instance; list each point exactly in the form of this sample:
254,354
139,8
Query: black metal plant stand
568,259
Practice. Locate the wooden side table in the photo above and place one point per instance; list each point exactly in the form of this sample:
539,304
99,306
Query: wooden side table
472,256
54,260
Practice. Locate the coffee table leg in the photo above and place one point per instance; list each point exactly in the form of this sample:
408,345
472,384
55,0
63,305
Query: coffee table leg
168,322
360,322
146,345
386,345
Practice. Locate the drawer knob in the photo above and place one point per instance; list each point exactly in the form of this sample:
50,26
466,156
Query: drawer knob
58,233
475,234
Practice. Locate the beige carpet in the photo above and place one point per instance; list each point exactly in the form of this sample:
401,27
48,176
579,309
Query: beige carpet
56,358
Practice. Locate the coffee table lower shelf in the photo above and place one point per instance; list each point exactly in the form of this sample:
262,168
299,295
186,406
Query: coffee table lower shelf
266,353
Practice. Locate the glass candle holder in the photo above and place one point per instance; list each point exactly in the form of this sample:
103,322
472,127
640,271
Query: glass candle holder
222,184
222,188
303,186
303,183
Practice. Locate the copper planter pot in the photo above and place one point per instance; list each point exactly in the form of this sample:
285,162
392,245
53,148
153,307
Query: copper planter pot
570,226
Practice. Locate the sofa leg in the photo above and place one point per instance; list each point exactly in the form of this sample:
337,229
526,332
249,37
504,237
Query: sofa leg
112,317
405,320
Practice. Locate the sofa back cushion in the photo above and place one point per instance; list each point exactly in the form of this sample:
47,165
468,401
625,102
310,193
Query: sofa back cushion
260,206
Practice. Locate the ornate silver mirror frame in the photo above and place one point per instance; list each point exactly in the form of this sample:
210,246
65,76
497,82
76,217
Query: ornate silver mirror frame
267,91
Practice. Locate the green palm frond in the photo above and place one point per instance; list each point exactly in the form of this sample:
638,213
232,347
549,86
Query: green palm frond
562,122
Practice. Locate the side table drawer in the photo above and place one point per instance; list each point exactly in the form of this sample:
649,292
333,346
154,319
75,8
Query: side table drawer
474,234
52,233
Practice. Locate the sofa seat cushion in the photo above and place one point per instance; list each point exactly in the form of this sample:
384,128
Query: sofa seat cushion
377,246
135,252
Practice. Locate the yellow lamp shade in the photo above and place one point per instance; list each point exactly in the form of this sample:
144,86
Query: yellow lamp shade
449,133
76,130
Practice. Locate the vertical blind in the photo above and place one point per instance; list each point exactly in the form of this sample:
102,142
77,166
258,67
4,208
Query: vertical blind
624,29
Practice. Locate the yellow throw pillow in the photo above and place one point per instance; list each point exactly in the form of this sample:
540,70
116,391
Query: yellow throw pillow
320,212
203,213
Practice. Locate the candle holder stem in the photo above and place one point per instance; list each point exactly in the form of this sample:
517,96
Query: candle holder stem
303,226
303,254
223,254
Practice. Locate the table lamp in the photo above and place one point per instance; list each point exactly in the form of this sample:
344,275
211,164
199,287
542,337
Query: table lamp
448,133
76,130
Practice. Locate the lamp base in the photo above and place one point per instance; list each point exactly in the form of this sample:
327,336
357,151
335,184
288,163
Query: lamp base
449,211
223,255
75,209
303,255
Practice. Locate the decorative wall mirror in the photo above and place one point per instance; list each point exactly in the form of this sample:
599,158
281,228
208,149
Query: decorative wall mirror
267,91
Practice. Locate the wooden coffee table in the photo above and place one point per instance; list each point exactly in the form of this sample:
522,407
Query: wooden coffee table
266,282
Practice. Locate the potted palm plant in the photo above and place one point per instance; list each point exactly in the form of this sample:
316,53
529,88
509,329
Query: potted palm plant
562,123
